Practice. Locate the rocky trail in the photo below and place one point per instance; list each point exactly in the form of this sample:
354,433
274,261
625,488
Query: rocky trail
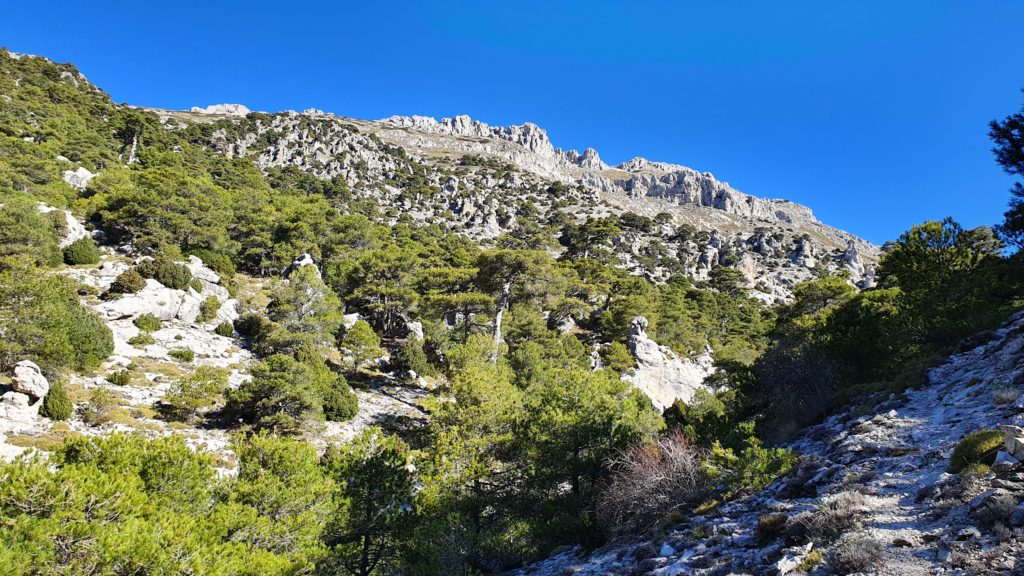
870,493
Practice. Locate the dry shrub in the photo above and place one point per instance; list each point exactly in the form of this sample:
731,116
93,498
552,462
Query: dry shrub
836,515
649,481
859,554
771,526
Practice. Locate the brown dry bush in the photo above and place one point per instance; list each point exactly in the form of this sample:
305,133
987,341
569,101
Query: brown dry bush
858,554
836,515
649,481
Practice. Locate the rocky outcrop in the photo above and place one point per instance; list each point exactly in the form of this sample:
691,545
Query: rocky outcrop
660,373
78,178
163,302
222,109
20,403
304,260
74,230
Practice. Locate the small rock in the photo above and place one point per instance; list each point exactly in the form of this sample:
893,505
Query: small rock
667,550
1004,461
792,558
78,179
1017,517
969,533
1007,485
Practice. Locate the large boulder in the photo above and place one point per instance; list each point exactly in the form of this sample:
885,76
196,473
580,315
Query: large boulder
660,373
155,299
78,178
199,270
17,415
19,405
28,379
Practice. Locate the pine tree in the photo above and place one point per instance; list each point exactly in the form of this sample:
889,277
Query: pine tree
363,343
57,404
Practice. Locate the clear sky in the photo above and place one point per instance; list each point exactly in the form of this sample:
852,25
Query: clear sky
873,113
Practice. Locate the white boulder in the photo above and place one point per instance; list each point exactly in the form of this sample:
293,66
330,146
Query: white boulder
78,179
28,379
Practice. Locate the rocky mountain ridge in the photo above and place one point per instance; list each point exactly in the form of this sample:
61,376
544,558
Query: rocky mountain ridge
478,179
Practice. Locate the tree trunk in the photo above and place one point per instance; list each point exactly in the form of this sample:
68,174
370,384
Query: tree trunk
506,292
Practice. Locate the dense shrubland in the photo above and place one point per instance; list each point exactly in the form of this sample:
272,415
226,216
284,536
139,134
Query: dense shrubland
528,447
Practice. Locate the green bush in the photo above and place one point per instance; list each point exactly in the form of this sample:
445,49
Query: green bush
976,448
166,272
197,285
363,344
224,329
182,354
209,308
147,322
89,337
219,263
143,339
25,233
282,396
41,319
97,410
57,404
197,391
410,356
339,402
975,470
253,326
120,378
82,251
59,221
128,282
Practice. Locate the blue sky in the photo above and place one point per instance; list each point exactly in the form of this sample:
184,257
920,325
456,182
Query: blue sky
873,113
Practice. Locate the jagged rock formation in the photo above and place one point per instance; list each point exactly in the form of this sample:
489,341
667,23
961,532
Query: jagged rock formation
886,472
477,179
660,373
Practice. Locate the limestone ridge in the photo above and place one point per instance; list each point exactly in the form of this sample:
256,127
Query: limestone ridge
551,161
638,177
476,179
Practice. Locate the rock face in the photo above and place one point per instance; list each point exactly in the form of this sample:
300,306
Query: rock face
886,471
660,373
163,302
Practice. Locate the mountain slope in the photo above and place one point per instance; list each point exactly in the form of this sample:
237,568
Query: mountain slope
871,484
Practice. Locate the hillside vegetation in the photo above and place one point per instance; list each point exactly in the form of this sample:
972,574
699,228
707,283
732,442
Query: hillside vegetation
532,431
